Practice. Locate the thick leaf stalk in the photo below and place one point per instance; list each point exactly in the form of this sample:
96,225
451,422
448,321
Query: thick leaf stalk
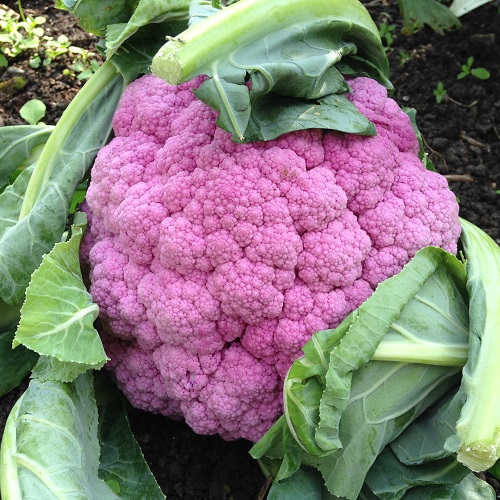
478,429
67,124
279,66
192,52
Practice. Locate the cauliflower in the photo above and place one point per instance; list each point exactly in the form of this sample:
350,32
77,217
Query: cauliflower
214,262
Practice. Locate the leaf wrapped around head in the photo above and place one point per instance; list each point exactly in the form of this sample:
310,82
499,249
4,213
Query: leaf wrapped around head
279,66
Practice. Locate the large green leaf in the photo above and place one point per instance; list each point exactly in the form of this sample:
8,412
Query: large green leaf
58,314
11,201
146,12
305,484
359,404
280,55
416,13
424,440
19,146
96,15
15,365
122,461
389,479
421,316
385,398
68,154
50,447
470,488
478,428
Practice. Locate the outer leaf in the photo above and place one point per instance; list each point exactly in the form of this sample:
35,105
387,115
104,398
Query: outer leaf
389,479
289,51
478,429
416,13
424,439
96,15
58,314
305,484
121,457
470,488
9,316
135,54
45,208
18,147
274,115
15,365
146,13
11,201
50,447
462,7
395,312
50,368
385,399
305,383
495,470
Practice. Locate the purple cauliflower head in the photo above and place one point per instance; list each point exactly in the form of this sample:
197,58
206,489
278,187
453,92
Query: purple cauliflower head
214,262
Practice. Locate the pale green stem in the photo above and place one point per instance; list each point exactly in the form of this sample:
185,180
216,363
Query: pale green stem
431,354
192,52
68,121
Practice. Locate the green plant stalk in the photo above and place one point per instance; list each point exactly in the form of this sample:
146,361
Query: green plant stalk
432,354
478,428
69,120
8,473
188,54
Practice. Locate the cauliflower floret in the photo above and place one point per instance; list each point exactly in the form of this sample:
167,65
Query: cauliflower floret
214,262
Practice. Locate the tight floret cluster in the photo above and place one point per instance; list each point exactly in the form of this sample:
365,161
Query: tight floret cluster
214,262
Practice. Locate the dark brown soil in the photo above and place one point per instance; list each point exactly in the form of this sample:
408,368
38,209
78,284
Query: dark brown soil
462,137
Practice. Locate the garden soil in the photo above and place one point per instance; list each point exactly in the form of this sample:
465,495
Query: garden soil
461,135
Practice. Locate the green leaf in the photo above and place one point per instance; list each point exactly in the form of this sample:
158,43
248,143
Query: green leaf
344,415
11,201
420,315
50,447
50,368
470,488
416,13
96,15
385,398
305,484
288,51
81,132
19,147
122,462
273,116
495,470
388,478
58,314
478,429
135,54
424,439
231,100
481,73
412,114
15,365
33,111
146,13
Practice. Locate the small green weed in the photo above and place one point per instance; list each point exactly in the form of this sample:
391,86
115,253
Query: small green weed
19,34
386,32
439,92
403,57
467,69
33,111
